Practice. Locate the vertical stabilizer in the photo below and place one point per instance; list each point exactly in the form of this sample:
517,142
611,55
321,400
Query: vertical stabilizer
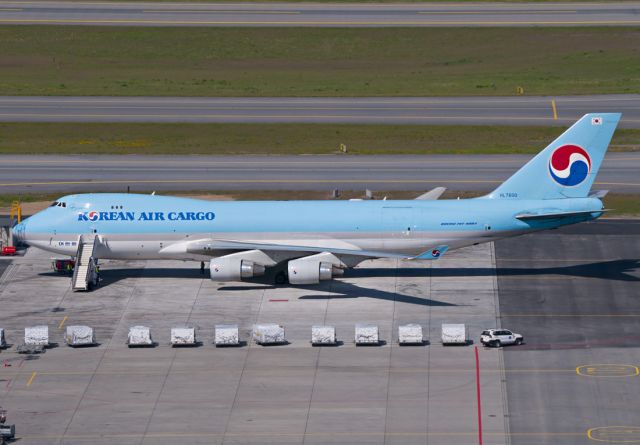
568,166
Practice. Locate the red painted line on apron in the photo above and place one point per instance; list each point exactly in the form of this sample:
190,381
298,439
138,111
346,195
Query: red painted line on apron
478,397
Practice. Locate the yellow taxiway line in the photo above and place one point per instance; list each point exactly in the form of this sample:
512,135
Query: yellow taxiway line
324,23
63,322
215,11
32,378
489,12
271,434
264,116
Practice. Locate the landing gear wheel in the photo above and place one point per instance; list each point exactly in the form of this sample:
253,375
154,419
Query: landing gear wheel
281,278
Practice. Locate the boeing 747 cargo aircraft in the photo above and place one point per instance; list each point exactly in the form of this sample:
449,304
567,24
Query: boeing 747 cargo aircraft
316,240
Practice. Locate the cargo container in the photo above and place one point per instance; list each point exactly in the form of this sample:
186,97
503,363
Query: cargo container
410,334
323,335
36,336
454,334
139,336
268,334
183,336
79,336
366,334
226,335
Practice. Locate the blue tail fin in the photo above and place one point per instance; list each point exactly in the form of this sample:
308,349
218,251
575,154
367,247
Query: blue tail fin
568,166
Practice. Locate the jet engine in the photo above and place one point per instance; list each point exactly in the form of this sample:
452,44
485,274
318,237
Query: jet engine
234,269
305,271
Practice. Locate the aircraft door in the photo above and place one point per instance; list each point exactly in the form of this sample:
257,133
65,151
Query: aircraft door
400,220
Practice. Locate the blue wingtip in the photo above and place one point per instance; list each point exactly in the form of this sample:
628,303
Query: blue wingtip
432,254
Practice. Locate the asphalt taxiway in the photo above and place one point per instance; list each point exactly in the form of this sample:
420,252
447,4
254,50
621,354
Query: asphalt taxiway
67,174
318,14
475,110
573,293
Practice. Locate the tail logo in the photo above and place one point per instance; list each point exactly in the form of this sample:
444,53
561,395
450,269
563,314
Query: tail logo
569,165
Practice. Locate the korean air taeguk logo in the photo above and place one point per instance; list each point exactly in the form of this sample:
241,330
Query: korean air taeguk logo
569,165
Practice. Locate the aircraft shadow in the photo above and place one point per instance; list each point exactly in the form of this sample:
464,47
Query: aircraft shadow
617,270
335,289
342,290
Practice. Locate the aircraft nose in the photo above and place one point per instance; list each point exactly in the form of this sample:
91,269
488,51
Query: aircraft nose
19,232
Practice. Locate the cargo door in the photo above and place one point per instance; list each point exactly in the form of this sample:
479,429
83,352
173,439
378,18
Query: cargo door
400,220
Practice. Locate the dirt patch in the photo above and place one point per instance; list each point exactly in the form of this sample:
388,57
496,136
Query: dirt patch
28,208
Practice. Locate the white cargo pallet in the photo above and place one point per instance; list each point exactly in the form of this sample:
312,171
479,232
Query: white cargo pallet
7,432
366,334
226,335
3,342
269,334
183,336
454,334
139,336
410,334
36,336
80,336
323,335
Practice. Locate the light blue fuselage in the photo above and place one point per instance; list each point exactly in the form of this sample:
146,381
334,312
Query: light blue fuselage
140,226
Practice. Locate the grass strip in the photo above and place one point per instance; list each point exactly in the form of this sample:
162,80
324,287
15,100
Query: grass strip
130,61
227,139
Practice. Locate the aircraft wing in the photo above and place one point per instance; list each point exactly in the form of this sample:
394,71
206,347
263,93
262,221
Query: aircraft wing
433,194
555,215
214,247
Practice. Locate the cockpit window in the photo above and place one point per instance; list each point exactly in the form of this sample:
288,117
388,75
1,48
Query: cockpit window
54,203
58,204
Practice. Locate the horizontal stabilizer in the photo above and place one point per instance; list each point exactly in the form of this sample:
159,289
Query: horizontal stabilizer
598,194
556,215
432,195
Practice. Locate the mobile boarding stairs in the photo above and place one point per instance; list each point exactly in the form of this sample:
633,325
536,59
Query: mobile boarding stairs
85,273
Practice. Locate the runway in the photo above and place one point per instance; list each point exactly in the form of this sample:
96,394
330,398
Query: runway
517,110
68,174
317,14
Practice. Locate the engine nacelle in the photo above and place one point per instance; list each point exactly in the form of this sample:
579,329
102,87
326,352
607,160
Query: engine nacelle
304,271
234,269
